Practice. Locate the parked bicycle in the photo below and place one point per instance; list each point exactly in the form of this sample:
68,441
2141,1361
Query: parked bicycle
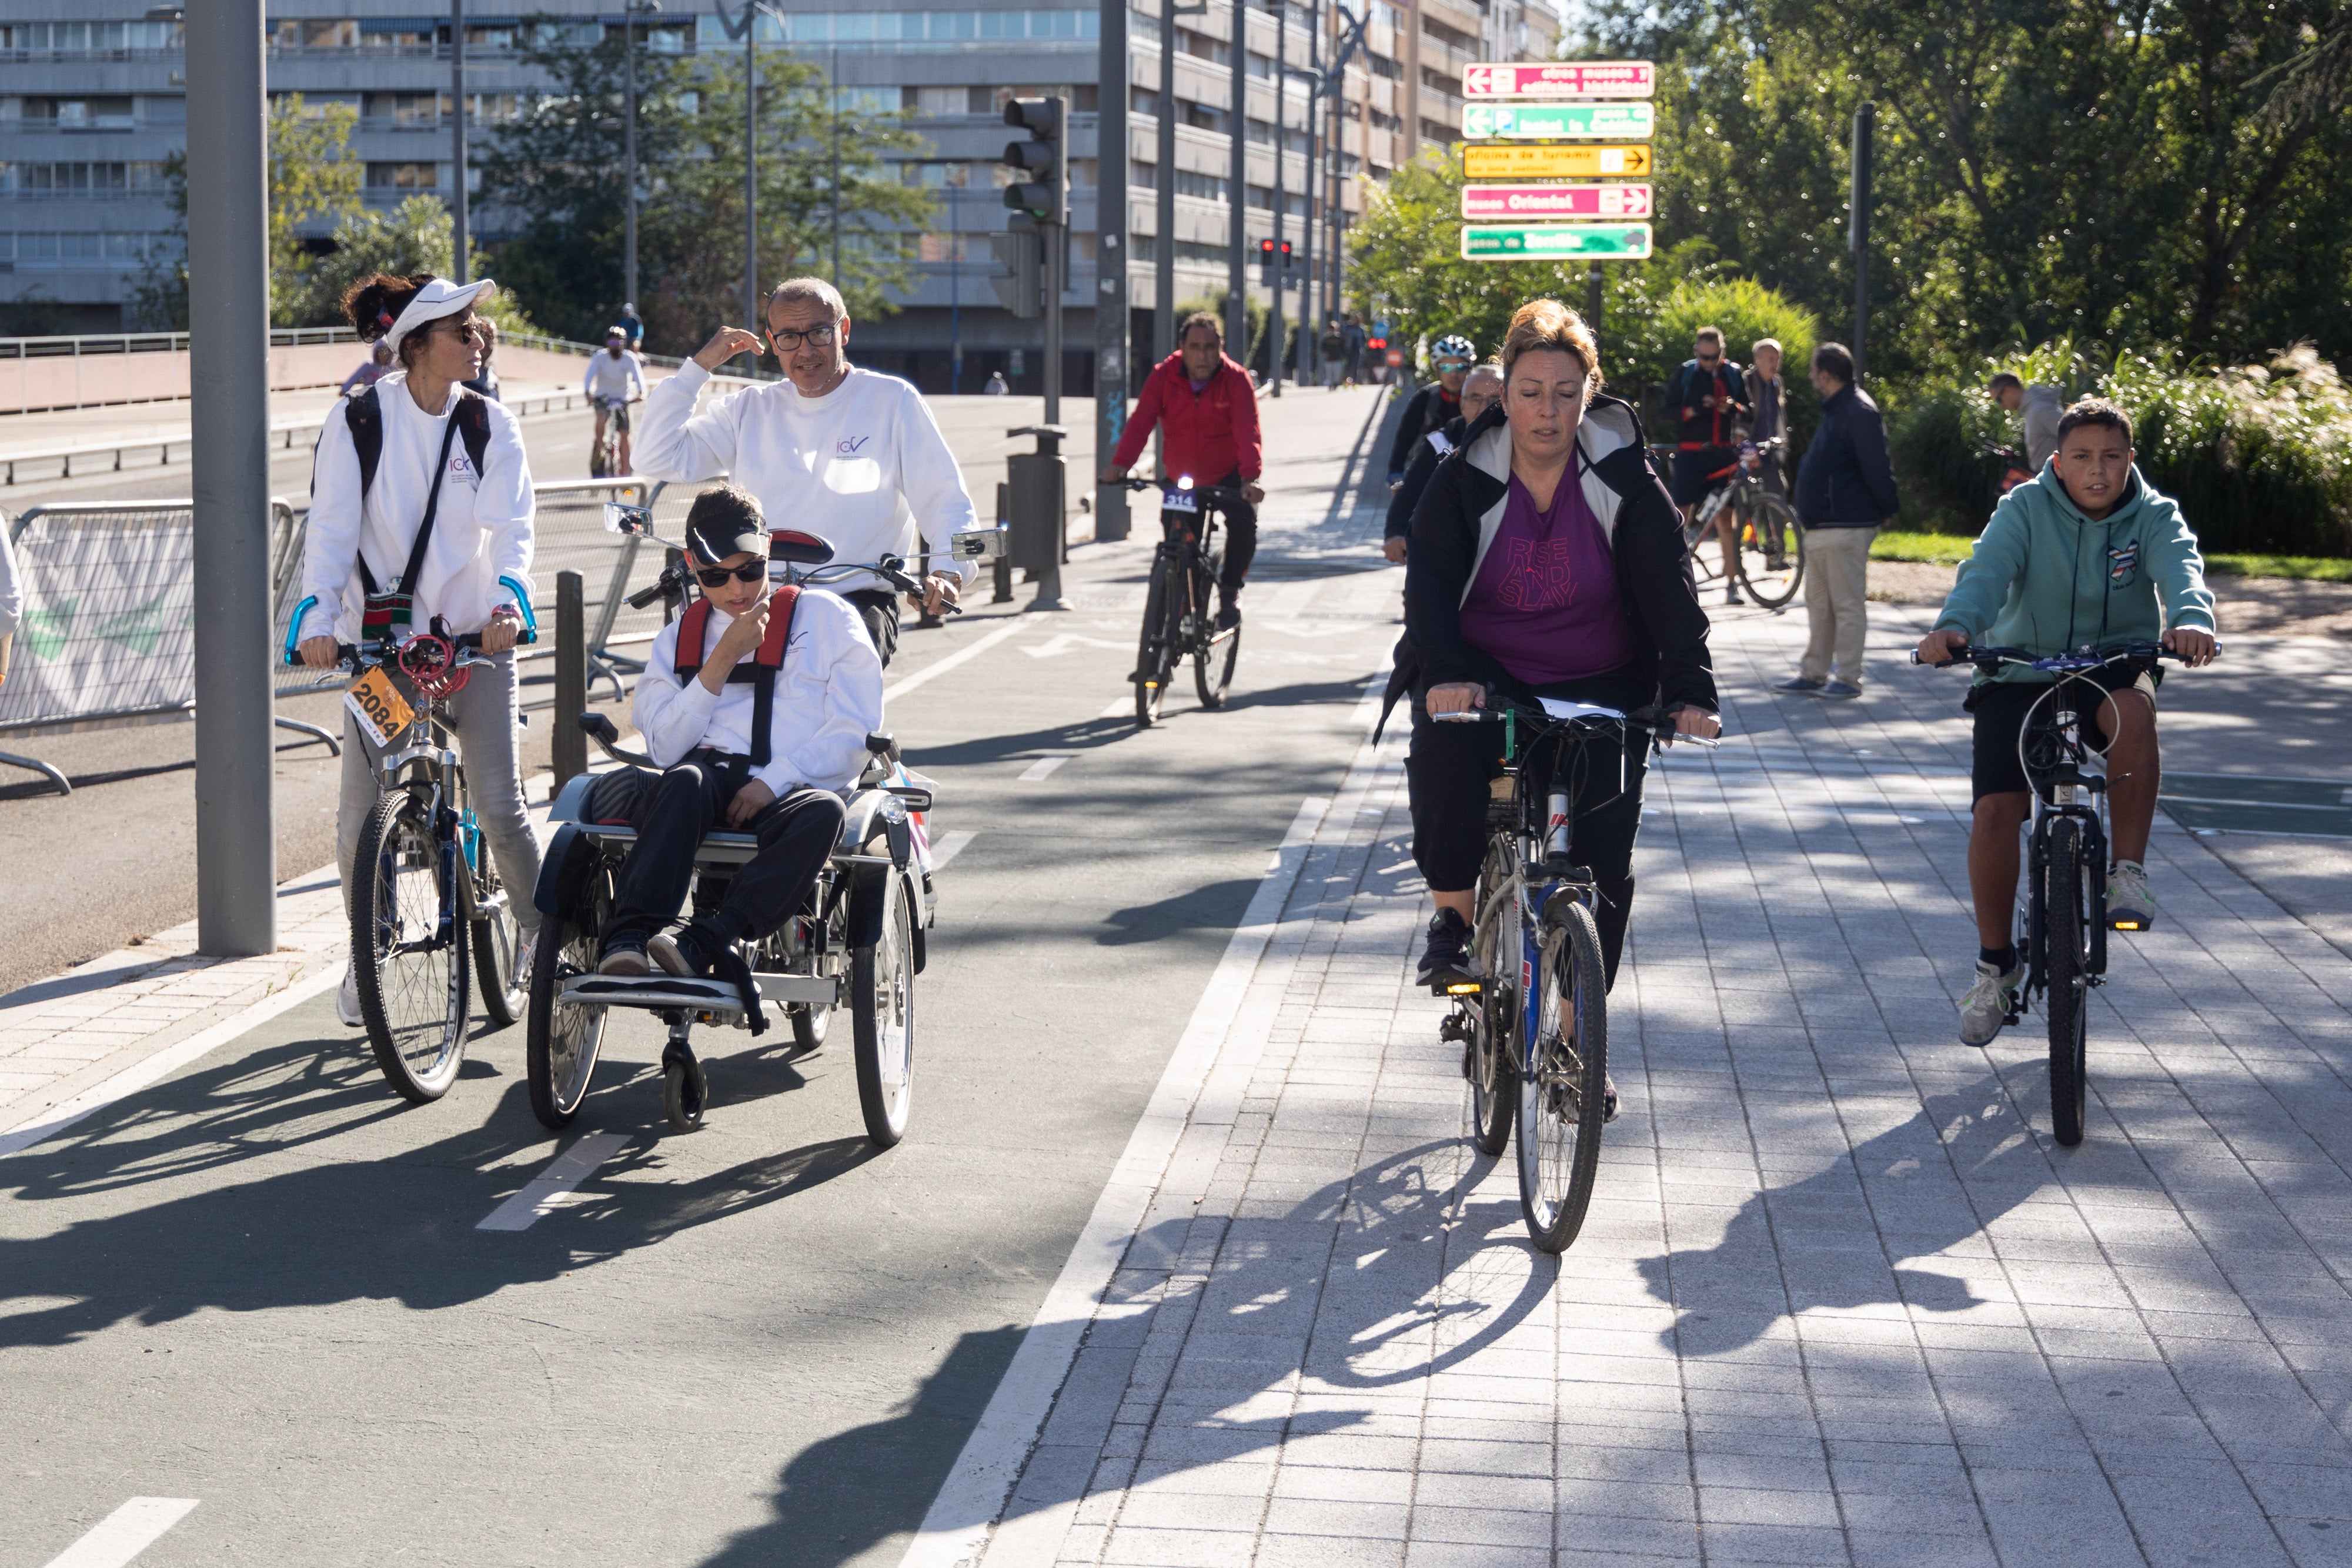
1179,617
1770,557
2014,468
429,916
2066,859
1534,1025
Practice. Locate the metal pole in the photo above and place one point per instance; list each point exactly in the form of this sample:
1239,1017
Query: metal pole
1592,295
1334,219
457,138
629,152
1309,306
1163,271
1237,194
1864,119
1112,320
750,174
955,291
228,342
832,189
1054,239
568,746
1277,344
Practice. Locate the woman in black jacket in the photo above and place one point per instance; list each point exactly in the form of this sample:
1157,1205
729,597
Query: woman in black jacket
1546,560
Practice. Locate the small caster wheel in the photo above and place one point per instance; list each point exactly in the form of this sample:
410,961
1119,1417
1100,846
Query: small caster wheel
685,1089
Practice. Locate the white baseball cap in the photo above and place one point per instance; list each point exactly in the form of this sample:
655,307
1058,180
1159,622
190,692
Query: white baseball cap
438,299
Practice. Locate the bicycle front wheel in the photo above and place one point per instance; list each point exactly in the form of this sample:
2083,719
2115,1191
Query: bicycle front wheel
562,1040
1563,1089
1771,552
1155,661
1214,652
409,949
882,1018
2068,944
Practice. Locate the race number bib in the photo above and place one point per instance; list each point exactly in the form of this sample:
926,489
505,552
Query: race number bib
382,712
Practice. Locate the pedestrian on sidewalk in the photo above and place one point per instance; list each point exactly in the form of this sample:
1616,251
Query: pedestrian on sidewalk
1335,348
1546,561
1707,395
2042,408
1846,492
996,387
373,369
1352,339
1767,408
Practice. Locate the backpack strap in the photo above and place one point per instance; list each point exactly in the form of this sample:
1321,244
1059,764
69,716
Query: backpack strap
364,416
473,417
470,420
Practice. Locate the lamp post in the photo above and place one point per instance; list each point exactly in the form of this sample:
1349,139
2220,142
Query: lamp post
630,12
1275,325
457,136
1237,196
751,16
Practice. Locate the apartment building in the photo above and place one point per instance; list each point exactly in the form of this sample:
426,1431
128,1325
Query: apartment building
93,100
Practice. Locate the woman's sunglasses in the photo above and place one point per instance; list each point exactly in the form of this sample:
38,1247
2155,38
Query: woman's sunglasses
717,576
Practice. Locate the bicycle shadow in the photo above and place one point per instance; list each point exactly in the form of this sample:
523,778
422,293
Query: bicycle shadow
1730,1295
1398,1316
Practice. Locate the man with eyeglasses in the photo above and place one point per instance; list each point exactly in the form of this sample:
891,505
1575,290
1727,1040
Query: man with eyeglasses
846,453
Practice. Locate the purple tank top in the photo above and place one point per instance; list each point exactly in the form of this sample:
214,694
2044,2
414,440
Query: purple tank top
1544,601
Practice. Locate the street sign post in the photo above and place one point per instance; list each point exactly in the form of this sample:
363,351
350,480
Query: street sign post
1555,242
1555,163
1562,78
1493,204
1559,121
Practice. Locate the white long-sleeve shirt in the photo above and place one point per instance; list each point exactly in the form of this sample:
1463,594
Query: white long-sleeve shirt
828,699
12,597
480,555
608,377
864,465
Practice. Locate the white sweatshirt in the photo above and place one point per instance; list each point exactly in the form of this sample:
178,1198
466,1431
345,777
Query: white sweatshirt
480,555
12,597
609,377
864,465
828,699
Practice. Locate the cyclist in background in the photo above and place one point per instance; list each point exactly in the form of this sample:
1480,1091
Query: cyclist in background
1207,407
2086,554
1482,389
633,328
1708,400
616,378
1432,405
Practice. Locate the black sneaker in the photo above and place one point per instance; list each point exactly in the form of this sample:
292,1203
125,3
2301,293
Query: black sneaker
1229,609
687,953
1447,957
624,956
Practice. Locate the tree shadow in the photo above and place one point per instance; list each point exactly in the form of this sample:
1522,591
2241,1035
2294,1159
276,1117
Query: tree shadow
1267,1285
1213,906
1960,1162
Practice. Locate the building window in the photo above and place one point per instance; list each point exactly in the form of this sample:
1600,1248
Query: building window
404,176
79,113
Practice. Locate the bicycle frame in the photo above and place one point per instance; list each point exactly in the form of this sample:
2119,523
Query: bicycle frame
2063,789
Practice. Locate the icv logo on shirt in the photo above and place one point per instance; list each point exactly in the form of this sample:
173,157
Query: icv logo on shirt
848,445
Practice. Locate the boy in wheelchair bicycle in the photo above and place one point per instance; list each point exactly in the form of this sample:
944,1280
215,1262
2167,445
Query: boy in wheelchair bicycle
757,705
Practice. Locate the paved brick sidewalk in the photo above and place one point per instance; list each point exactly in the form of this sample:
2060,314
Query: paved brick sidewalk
1840,1298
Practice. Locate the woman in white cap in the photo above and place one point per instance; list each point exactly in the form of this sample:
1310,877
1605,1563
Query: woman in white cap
421,510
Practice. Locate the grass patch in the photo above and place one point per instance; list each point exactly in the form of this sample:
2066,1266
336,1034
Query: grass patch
1938,550
2309,567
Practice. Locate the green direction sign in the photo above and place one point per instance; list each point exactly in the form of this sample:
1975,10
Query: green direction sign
1555,242
1559,121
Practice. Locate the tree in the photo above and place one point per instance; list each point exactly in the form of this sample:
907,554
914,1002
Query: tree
418,235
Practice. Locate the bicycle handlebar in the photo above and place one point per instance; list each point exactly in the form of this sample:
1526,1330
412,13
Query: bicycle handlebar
350,655
1994,658
1217,493
1655,722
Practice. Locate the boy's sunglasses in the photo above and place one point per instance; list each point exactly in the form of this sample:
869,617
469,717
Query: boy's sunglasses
717,576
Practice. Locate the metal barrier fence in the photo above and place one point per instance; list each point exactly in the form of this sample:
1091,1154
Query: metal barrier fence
108,635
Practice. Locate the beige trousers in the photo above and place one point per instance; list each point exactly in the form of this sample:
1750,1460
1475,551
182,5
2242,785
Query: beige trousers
1837,584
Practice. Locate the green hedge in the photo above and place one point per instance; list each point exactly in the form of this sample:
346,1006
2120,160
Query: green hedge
2259,456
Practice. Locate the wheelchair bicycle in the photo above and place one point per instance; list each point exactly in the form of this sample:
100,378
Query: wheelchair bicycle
858,940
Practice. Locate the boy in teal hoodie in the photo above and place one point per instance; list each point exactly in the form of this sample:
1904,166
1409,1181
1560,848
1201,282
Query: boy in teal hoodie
2087,553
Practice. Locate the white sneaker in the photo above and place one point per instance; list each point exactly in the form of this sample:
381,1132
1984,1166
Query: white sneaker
347,999
1989,1003
2129,906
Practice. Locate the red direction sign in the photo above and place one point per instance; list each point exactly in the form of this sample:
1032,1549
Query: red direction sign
1498,203
1562,78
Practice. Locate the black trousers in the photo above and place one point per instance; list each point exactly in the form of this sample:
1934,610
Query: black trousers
880,609
1241,537
1451,767
671,812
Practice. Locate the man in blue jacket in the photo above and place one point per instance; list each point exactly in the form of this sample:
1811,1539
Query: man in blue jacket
1845,490
2087,552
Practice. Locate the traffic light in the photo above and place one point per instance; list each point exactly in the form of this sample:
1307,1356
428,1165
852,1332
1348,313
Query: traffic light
1040,185
1273,260
1020,249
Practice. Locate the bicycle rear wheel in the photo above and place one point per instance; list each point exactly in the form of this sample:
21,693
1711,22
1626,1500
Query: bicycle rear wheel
1771,552
1492,1057
1562,1099
561,1041
409,949
1155,661
2068,943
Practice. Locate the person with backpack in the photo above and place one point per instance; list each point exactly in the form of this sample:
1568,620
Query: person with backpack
421,520
757,706
1707,397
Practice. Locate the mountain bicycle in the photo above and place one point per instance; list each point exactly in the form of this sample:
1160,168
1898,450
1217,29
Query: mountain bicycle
1534,1023
1770,558
2067,858
605,450
429,916
1179,618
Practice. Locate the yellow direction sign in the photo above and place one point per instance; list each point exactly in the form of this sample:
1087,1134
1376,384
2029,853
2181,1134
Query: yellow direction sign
1508,162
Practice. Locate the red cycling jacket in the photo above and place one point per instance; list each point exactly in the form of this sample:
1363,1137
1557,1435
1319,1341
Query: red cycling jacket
1210,433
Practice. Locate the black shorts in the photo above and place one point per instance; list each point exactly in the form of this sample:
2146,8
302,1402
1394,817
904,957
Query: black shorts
878,608
1694,471
1999,707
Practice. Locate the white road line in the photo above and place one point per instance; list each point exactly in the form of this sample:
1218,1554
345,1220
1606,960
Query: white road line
1124,704
956,1530
125,1534
948,847
1044,767
1014,625
543,1192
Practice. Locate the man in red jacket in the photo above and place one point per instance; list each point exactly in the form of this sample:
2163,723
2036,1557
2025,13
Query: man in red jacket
1208,409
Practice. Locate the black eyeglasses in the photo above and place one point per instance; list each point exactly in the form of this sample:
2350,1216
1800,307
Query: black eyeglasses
717,576
786,340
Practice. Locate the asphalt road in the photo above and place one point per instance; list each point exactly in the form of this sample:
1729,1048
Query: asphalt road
259,1284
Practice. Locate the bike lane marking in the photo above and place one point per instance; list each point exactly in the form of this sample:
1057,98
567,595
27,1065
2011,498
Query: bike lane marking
953,845
1013,625
125,1534
1044,767
545,1192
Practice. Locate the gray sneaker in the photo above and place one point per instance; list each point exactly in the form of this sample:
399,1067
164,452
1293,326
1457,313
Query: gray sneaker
1841,691
2129,907
1989,1003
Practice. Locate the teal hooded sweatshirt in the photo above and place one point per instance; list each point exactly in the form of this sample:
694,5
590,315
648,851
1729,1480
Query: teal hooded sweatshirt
2047,578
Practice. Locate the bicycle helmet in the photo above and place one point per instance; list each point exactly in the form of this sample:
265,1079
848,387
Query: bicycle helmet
1454,346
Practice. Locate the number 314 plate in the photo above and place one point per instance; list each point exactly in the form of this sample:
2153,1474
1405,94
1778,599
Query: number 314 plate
381,711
